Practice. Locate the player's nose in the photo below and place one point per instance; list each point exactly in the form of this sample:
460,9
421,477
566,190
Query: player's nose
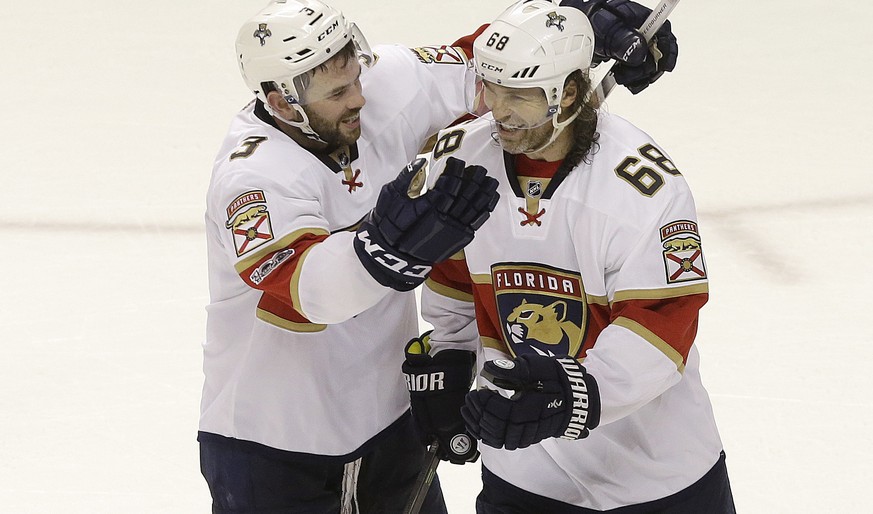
500,108
356,99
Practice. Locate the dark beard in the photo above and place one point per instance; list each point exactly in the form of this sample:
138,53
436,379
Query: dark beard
330,132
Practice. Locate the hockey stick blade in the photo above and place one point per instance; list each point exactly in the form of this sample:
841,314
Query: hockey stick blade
425,477
648,30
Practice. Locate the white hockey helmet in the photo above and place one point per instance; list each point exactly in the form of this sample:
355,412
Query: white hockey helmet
535,43
289,38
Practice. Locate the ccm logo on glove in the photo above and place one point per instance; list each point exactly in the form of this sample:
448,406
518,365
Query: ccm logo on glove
389,260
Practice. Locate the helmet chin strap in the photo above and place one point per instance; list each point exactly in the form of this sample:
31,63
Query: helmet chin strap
557,128
302,126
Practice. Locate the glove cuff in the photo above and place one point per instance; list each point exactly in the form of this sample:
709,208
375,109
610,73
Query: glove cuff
462,448
585,396
386,266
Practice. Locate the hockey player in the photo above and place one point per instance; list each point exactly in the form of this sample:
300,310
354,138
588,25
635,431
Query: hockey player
313,246
580,294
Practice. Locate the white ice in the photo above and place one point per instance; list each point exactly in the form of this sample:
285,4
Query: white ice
112,111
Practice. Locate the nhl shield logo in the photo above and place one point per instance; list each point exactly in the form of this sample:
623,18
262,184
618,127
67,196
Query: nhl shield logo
263,33
531,211
542,310
556,20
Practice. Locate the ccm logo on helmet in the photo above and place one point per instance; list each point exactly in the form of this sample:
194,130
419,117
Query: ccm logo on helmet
491,67
328,30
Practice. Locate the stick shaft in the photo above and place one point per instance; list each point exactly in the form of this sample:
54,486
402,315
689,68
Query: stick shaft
422,483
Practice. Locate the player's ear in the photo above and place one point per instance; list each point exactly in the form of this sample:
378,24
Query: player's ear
571,90
281,107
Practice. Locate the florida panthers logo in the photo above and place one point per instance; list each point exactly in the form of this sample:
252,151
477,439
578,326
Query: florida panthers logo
532,323
542,310
556,20
263,33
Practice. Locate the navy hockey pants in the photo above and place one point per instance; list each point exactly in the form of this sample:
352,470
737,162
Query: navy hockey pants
251,478
710,495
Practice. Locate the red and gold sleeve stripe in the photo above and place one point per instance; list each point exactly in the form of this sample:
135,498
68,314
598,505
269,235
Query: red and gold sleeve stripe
666,318
279,279
451,278
487,314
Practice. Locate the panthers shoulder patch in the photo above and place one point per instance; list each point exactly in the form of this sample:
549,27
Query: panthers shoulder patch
683,252
249,221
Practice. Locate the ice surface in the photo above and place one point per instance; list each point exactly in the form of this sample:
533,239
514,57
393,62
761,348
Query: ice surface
111,115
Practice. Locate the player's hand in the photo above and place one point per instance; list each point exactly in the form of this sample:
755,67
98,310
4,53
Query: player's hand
535,397
616,36
437,387
403,237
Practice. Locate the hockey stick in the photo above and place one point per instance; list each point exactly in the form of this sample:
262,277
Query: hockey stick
425,477
648,30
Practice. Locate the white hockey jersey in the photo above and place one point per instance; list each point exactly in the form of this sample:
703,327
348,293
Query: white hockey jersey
605,264
303,349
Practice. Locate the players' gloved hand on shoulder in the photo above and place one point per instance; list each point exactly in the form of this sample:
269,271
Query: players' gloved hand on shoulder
539,397
403,237
616,34
437,387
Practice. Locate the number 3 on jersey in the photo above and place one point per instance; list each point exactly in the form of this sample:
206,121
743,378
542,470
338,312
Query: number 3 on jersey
644,178
247,147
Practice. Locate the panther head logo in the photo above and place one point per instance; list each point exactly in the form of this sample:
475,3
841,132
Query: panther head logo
263,33
556,20
547,324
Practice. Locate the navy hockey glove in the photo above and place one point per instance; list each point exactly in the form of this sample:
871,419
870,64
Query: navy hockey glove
437,387
616,36
403,237
548,397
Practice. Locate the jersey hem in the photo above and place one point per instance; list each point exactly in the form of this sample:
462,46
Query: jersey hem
293,456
